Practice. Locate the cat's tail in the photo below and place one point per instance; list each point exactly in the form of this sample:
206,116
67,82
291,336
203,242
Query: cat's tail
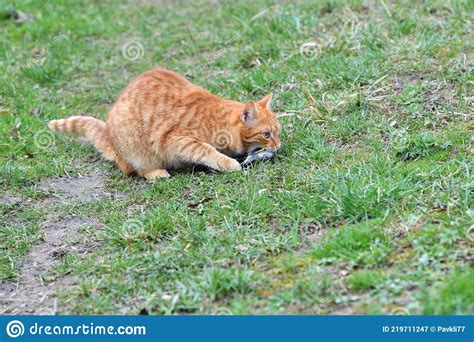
91,128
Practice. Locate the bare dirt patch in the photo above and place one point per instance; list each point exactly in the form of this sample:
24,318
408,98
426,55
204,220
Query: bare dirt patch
10,199
34,292
87,188
35,289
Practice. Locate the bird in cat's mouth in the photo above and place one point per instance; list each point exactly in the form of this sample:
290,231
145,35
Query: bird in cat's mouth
162,121
255,155
258,155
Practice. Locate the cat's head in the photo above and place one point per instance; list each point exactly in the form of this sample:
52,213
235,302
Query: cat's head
260,128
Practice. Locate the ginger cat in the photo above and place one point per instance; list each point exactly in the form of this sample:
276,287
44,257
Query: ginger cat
162,121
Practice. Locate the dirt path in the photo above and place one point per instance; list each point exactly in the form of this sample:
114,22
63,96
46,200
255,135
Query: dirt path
35,291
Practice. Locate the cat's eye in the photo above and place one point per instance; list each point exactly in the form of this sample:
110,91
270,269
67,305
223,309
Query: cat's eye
266,135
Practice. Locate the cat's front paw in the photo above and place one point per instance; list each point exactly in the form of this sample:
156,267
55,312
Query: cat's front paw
229,165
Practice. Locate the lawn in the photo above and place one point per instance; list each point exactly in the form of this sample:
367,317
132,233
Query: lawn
367,209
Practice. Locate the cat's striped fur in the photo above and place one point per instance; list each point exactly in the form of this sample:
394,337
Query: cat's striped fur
162,121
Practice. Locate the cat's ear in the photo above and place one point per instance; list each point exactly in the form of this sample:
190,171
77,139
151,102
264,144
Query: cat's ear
249,113
266,101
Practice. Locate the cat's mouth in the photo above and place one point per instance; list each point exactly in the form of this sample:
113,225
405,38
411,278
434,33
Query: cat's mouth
243,155
263,149
255,150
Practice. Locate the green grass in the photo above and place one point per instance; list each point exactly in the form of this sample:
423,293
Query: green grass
455,295
365,280
376,157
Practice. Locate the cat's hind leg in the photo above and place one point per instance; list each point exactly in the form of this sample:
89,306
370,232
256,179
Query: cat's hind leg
125,167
